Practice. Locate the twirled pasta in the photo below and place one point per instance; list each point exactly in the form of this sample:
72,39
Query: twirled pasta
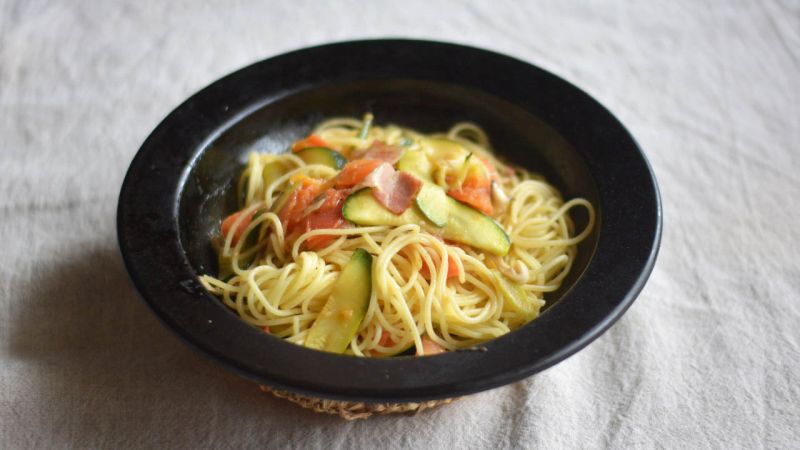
278,285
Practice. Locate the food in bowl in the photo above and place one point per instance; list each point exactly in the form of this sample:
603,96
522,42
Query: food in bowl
377,241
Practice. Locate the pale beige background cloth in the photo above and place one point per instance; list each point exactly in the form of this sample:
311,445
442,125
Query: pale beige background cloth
708,357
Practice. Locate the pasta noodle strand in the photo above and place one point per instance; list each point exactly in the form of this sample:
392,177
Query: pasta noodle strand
283,289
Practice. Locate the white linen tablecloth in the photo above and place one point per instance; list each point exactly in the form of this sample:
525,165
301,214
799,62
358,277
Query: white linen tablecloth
707,357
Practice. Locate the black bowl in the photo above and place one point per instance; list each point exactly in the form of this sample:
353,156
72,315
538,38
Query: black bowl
179,185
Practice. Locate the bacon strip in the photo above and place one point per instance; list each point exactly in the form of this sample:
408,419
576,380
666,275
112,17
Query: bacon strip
392,189
327,215
300,199
381,152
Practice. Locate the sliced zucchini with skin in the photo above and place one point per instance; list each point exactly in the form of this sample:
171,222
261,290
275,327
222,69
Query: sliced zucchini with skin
272,171
472,227
324,156
361,208
517,299
342,314
464,224
432,203
416,163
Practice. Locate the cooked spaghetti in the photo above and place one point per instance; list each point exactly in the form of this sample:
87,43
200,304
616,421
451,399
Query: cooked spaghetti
379,240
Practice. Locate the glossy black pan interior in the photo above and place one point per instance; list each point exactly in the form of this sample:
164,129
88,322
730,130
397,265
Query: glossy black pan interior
180,185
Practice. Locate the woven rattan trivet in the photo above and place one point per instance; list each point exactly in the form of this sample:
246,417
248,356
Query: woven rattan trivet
353,410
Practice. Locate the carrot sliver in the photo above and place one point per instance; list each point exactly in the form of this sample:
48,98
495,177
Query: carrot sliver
478,197
312,140
354,172
476,190
430,348
452,268
227,224
385,341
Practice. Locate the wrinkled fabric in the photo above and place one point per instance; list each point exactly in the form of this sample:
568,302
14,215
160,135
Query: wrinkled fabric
707,357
